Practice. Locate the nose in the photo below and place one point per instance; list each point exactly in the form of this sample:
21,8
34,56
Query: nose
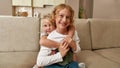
64,19
48,27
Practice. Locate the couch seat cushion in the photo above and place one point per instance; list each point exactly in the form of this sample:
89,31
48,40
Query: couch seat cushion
112,54
17,59
94,60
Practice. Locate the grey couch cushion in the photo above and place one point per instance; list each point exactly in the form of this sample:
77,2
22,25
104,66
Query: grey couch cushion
17,59
19,42
112,54
94,60
105,33
82,27
19,34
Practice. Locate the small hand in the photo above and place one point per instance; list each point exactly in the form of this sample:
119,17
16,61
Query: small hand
67,39
71,43
63,48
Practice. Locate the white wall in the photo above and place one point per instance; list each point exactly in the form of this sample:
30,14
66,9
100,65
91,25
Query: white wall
6,8
75,5
106,9
47,9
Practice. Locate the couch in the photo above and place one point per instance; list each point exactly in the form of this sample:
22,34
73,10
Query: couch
19,41
99,41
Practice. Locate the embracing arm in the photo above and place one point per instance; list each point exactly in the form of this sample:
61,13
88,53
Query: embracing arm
48,60
71,30
55,58
75,46
74,43
48,43
77,42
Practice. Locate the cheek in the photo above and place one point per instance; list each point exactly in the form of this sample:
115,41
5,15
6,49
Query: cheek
52,28
56,22
68,22
57,19
44,29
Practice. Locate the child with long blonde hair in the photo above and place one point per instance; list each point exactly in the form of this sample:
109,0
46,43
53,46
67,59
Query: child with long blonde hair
62,16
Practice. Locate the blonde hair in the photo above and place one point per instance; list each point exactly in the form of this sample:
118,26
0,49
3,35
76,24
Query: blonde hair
60,7
48,17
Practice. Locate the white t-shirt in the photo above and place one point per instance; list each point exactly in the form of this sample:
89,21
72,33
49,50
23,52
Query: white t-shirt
44,58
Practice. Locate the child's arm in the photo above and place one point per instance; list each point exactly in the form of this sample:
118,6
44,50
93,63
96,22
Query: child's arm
55,58
48,43
73,45
71,31
68,39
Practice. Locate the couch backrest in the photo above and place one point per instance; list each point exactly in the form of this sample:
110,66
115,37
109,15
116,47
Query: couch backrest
19,34
83,29
105,33
19,41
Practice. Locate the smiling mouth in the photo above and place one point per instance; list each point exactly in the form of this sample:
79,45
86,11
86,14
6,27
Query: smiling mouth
48,31
63,24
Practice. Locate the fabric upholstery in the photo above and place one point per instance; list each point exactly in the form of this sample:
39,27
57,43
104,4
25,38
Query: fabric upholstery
19,42
105,33
94,60
82,27
112,54
99,41
17,59
19,34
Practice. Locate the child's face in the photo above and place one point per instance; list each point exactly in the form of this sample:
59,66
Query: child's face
48,27
63,19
